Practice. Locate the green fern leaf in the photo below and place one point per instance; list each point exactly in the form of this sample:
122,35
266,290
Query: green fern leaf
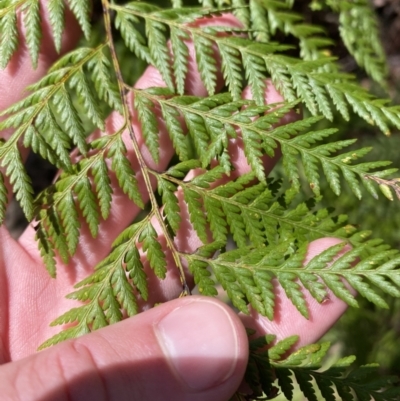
181,169
66,334
80,83
103,187
82,11
123,170
104,83
56,17
123,291
57,139
70,220
154,252
46,251
181,57
255,73
33,30
179,139
136,272
205,283
110,305
171,204
259,21
9,37
206,61
232,70
159,50
251,140
132,37
148,121
19,179
34,140
197,217
88,204
70,118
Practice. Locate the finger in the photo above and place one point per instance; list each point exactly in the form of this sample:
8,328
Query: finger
189,349
287,319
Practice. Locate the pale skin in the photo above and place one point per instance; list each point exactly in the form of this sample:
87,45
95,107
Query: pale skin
192,348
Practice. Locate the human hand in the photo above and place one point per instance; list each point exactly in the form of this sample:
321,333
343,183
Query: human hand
160,354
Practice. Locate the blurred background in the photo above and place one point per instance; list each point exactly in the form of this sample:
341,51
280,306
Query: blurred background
372,334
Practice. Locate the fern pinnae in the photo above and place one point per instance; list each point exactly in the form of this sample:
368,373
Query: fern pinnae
132,37
19,179
173,123
181,57
206,61
123,291
103,187
197,217
159,50
146,115
152,247
70,118
255,73
88,204
103,80
46,251
171,203
70,221
56,17
3,198
124,172
54,230
136,272
80,83
97,289
9,35
82,11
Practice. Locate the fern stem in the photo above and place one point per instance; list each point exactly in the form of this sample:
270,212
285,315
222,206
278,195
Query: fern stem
143,166
11,7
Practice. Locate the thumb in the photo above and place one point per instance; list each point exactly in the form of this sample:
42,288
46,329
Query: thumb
192,348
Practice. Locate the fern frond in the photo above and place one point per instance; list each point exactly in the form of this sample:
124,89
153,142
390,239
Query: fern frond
212,121
313,80
116,284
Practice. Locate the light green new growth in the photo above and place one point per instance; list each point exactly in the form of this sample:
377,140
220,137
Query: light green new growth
268,225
